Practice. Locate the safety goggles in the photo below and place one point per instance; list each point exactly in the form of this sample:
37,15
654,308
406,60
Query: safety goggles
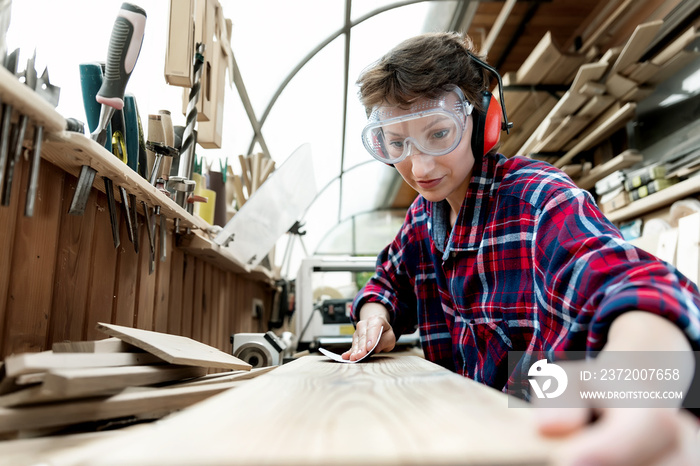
430,126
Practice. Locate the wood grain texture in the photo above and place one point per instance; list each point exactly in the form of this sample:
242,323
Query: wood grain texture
106,345
73,269
125,287
30,290
147,281
48,360
175,349
101,295
389,410
163,321
132,402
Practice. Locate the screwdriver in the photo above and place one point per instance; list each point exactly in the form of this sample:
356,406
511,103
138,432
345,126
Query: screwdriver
124,48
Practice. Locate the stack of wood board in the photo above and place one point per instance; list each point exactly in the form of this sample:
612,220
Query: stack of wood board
527,94
600,100
134,374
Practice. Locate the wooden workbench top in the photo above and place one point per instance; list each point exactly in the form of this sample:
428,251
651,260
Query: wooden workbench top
388,410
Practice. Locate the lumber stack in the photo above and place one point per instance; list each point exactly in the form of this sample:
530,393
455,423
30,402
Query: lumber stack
132,375
601,98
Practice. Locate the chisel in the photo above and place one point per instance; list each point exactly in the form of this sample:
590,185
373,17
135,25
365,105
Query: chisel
5,124
51,94
18,132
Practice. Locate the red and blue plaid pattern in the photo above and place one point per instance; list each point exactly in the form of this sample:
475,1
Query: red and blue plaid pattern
530,265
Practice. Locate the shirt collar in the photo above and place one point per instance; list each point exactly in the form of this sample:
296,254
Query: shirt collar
469,227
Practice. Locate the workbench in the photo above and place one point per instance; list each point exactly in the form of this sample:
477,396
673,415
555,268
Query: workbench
389,409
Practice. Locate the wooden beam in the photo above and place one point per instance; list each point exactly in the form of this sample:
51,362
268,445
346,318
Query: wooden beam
340,413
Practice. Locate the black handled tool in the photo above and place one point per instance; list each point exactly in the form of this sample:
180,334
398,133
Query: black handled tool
124,48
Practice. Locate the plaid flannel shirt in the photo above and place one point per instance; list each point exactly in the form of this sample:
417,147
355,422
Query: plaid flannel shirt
531,264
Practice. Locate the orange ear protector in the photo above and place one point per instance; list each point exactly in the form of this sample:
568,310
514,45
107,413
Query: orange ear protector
488,124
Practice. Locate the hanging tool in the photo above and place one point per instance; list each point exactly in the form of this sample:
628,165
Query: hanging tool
127,216
161,151
18,131
90,83
112,208
131,131
124,48
50,93
10,63
150,224
188,138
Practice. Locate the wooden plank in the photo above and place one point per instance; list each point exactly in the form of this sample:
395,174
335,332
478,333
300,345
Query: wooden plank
643,72
163,319
636,45
101,288
620,161
586,73
564,70
187,288
655,201
540,61
67,384
231,376
147,281
125,287
606,128
175,349
33,264
569,128
26,363
638,94
591,40
81,382
15,93
568,104
529,125
197,299
176,323
596,106
106,345
222,341
673,66
8,221
73,269
675,47
618,85
207,304
452,420
158,401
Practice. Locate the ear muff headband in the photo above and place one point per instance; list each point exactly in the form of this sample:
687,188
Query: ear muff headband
488,123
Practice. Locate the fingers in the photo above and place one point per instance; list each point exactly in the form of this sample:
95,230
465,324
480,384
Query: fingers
561,421
366,334
628,436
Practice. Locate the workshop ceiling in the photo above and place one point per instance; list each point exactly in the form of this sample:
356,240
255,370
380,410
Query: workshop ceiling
298,62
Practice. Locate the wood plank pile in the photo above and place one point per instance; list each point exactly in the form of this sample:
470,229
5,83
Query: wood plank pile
602,94
132,376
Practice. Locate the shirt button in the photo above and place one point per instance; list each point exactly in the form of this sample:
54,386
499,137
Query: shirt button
453,254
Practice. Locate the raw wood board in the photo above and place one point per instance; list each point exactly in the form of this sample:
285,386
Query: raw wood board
388,410
61,385
107,345
175,349
26,363
131,402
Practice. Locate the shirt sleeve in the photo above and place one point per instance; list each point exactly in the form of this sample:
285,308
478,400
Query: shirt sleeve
391,285
587,275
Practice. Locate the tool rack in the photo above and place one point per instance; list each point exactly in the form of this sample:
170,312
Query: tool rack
52,265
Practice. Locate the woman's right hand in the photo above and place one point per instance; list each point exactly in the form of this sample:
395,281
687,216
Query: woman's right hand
373,317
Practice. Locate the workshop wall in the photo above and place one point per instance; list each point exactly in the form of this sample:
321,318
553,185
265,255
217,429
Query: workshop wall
60,275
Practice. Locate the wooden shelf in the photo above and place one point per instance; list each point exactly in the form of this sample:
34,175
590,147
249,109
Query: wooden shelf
70,151
656,201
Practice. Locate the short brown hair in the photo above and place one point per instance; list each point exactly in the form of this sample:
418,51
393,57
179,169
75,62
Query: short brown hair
420,67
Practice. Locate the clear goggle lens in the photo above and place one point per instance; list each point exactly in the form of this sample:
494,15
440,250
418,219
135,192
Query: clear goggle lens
432,127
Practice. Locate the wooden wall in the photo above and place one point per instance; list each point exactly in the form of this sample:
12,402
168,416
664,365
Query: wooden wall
60,274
